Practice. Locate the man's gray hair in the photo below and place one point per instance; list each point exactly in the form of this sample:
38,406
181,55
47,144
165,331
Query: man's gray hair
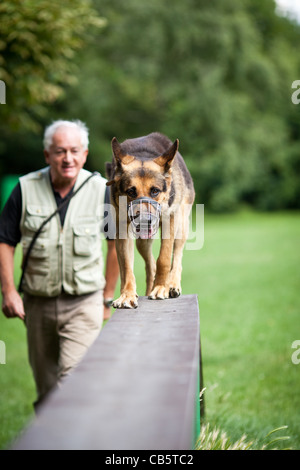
59,124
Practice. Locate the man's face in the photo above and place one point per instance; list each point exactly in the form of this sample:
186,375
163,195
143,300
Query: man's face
66,156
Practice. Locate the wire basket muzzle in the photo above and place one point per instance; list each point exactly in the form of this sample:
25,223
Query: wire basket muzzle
144,214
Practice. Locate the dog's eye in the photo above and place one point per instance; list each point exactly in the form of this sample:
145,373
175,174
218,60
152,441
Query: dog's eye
131,192
154,192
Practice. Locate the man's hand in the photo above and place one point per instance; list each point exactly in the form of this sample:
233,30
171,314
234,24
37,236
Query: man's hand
12,305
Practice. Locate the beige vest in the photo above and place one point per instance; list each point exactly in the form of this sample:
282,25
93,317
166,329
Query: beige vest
68,258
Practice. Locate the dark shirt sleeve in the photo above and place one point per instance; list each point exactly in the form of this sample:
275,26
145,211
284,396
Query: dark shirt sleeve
10,218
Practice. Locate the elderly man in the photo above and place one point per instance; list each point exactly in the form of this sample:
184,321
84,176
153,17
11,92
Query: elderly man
65,291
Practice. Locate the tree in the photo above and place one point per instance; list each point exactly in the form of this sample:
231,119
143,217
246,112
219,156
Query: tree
38,45
217,75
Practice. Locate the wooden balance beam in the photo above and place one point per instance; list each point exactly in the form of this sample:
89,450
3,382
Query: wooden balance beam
136,388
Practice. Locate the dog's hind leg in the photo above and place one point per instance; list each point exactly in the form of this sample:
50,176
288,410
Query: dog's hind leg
145,249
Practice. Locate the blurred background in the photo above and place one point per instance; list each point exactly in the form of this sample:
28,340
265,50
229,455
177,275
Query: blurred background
218,75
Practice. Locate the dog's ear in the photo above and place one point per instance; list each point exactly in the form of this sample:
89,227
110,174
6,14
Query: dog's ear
167,158
116,148
121,158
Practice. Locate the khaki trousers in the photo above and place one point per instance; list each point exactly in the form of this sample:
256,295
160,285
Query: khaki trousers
59,332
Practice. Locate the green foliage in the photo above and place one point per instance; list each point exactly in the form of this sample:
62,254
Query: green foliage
38,42
217,75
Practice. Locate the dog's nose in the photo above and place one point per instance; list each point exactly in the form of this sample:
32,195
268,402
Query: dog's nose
141,207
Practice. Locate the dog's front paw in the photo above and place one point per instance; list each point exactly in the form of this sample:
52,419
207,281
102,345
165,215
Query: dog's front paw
126,301
159,293
174,292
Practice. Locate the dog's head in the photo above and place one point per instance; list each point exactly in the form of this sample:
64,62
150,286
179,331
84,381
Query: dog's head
146,182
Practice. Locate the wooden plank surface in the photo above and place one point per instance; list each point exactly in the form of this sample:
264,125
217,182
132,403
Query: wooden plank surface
135,388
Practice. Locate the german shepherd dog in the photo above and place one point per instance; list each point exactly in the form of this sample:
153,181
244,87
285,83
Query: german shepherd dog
157,190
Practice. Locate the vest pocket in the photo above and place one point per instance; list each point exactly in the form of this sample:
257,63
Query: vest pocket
38,262
86,239
87,264
35,216
87,275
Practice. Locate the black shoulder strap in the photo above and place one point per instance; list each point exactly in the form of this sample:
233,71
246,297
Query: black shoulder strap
37,233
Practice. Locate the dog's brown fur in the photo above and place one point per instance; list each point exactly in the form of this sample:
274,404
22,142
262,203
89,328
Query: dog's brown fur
140,167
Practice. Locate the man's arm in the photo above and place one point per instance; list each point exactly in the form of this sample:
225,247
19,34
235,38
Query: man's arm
12,304
111,274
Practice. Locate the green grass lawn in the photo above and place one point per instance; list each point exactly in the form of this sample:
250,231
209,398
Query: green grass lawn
247,279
